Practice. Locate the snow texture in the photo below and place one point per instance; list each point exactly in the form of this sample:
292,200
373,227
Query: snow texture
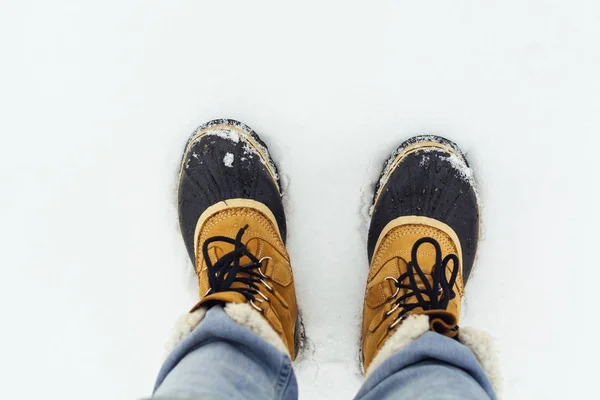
228,160
225,134
99,100
250,152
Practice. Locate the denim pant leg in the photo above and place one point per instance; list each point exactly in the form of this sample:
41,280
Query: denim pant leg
432,367
221,359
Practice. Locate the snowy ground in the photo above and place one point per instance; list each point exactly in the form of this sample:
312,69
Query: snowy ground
98,99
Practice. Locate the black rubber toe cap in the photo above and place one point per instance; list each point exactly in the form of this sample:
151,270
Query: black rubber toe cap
216,168
432,184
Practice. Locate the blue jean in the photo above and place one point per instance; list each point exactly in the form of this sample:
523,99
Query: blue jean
221,359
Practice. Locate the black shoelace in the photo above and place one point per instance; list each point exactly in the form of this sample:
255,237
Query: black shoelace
227,269
436,294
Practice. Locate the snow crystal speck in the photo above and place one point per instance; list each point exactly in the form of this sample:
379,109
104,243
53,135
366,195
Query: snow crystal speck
228,160
248,150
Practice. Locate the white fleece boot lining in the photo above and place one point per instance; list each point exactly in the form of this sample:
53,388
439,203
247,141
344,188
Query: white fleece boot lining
247,316
243,314
480,343
183,327
409,331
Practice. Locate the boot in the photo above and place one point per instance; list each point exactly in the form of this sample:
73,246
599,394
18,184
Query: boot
233,224
421,246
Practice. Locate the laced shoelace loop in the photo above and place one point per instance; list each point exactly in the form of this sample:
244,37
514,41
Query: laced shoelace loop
435,295
227,270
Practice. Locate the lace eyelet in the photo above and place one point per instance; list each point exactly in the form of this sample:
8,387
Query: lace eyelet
263,296
387,314
260,266
264,258
257,308
397,321
391,278
269,288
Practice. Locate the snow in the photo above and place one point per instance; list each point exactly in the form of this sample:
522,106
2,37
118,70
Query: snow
459,165
225,134
99,99
464,171
228,160
251,152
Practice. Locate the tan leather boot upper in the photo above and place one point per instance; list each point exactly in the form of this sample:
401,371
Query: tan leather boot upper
276,297
383,312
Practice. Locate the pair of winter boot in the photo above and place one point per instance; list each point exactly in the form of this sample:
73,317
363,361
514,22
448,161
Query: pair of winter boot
421,245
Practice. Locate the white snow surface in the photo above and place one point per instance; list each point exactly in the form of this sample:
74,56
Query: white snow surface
228,160
99,99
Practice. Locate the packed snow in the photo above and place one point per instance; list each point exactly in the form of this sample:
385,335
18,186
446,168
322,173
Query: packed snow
99,99
228,160
225,134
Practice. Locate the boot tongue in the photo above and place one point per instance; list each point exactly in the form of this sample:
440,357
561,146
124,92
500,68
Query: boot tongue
426,257
220,297
218,251
442,322
426,261
252,247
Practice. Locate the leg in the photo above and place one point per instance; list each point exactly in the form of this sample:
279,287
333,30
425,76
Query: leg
431,367
244,331
221,359
421,247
